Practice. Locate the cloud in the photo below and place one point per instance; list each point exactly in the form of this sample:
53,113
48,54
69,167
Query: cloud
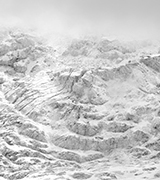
128,19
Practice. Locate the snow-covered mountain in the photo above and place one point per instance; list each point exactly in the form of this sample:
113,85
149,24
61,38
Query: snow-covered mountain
91,112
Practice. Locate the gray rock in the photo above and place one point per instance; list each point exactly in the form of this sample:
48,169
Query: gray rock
70,156
157,175
34,134
81,175
106,176
20,69
117,127
132,117
140,137
152,63
4,49
140,152
18,175
93,157
156,156
83,129
154,145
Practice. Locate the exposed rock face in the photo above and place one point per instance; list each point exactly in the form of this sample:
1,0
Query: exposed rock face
155,145
83,129
140,136
152,63
117,127
71,122
106,175
34,134
139,152
81,176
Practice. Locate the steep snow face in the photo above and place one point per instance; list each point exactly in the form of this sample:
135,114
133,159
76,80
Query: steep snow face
60,121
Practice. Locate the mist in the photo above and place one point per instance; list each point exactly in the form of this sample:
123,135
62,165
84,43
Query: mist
114,19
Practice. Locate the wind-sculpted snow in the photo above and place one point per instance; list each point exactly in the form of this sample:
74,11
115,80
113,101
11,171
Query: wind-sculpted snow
78,123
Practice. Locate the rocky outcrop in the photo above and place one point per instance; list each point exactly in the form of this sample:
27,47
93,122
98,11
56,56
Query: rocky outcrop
71,156
154,145
86,144
83,129
34,134
140,152
140,137
117,127
152,63
82,175
106,175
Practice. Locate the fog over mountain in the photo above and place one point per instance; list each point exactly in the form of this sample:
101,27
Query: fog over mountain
126,19
79,90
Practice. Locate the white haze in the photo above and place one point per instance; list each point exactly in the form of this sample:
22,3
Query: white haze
122,19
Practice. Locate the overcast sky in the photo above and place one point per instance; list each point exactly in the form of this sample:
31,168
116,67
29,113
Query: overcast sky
115,18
